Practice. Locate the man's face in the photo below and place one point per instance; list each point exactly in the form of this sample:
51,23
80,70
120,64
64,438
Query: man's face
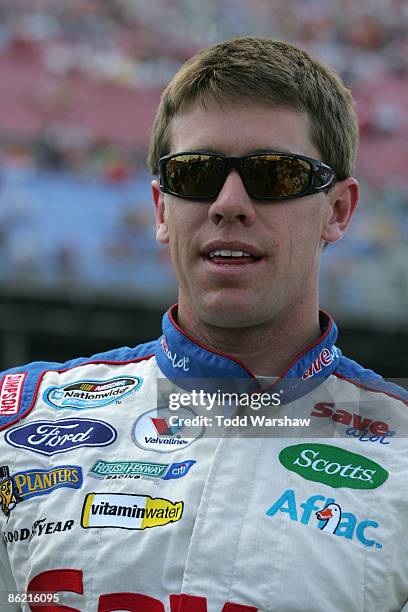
283,238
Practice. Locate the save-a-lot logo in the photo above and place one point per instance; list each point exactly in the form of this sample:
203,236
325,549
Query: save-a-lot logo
129,511
362,427
333,466
326,515
120,470
83,394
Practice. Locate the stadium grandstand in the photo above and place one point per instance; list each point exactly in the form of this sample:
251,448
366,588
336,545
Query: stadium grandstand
80,82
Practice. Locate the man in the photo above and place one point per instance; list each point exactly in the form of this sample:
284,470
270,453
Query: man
126,506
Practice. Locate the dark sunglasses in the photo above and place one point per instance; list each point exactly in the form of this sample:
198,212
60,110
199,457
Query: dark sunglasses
268,175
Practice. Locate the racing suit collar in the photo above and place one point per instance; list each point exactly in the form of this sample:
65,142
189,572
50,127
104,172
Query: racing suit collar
184,360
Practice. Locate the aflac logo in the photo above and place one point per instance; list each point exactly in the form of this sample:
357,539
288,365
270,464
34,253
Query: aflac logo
84,394
330,517
153,431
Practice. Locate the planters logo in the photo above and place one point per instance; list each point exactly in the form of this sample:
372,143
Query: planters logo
91,393
333,466
129,511
31,483
329,516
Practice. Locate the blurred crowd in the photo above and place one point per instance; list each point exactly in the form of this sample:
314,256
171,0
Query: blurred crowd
81,80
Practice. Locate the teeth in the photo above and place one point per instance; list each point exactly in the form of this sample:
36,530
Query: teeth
228,253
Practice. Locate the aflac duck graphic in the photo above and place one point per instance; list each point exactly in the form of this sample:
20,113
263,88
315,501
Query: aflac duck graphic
331,514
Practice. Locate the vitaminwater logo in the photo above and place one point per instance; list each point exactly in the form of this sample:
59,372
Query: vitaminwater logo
129,511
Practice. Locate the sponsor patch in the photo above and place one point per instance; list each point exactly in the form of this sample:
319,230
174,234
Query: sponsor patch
20,486
84,394
323,360
53,437
327,516
38,528
153,430
333,466
129,511
11,388
119,470
361,427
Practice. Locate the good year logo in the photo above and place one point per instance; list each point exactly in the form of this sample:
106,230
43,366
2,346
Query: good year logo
333,466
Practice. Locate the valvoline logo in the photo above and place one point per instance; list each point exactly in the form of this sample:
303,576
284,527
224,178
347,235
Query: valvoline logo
84,394
330,517
152,430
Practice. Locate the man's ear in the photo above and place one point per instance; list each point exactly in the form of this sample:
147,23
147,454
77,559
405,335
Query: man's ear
162,232
343,199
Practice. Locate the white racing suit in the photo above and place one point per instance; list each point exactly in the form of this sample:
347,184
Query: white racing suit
108,503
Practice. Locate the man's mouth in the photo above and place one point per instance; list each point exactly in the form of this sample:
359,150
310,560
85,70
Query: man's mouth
231,256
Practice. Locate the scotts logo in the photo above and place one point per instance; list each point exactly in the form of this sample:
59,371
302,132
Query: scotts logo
91,393
333,466
153,431
129,511
53,437
324,359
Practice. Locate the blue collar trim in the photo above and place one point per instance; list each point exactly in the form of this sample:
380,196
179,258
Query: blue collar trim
184,361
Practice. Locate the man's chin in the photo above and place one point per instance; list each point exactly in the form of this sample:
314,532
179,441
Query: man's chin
231,314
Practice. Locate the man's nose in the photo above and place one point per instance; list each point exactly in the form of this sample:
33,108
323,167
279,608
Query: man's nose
233,203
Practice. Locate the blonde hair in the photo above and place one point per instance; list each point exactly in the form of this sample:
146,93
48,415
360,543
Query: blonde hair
264,71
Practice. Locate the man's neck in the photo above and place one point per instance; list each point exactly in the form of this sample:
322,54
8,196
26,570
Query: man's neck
266,349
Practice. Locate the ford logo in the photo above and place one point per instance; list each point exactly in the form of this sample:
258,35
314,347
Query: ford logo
53,437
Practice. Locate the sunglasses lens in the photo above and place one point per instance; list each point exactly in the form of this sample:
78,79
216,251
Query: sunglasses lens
276,176
194,175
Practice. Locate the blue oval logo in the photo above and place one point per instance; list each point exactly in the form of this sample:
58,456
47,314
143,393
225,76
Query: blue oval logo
54,437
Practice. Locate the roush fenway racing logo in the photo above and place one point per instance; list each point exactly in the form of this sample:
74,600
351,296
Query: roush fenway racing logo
71,581
325,359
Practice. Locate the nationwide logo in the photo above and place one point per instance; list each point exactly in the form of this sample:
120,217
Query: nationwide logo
32,483
361,427
329,515
91,393
53,437
38,528
333,466
324,359
129,511
152,430
11,388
